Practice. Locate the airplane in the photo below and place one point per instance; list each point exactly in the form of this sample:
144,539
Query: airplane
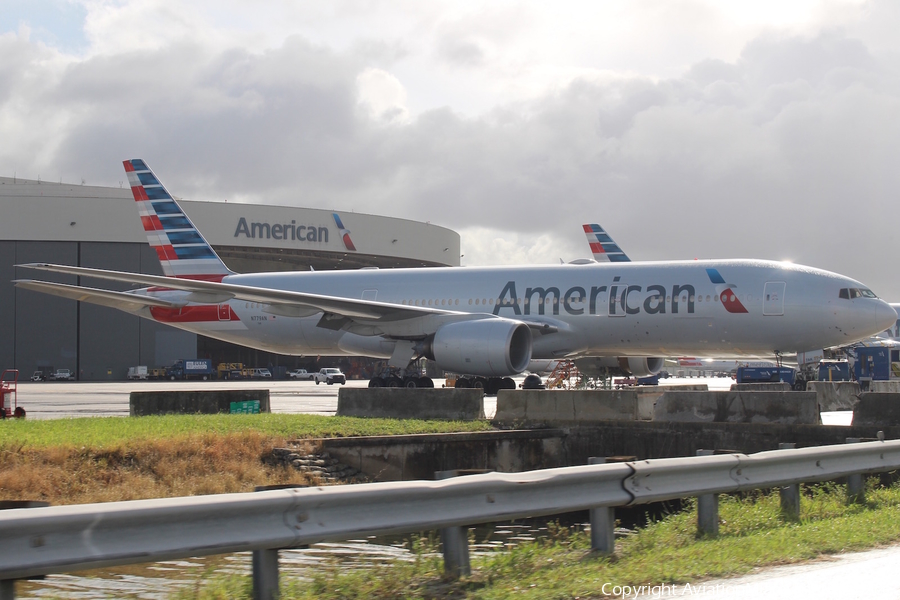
485,321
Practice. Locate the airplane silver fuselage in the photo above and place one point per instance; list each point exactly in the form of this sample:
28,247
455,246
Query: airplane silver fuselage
603,309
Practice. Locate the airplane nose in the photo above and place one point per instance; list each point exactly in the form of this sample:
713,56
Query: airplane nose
885,315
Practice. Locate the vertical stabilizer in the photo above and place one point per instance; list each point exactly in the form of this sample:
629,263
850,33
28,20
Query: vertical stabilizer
183,252
603,247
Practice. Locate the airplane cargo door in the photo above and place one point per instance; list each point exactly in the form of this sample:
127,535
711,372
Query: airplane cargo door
773,298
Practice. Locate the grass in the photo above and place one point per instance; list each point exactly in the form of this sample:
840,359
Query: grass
752,534
75,461
100,432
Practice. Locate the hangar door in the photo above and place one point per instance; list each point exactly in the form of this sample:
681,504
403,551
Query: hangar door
773,298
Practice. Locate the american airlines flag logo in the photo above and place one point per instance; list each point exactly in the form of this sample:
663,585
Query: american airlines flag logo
726,292
345,233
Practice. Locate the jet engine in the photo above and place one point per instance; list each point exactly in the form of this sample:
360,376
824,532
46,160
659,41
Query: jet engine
487,347
635,366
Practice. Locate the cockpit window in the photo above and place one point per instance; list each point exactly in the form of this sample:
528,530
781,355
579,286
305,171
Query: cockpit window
850,293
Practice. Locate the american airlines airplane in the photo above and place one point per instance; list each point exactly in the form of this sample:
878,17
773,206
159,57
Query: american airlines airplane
484,321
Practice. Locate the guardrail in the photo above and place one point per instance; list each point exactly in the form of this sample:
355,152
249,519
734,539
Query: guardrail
40,541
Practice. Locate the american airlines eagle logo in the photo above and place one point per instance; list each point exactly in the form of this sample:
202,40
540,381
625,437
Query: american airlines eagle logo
726,292
345,233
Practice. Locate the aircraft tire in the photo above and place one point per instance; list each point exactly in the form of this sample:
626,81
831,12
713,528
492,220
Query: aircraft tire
394,382
411,383
480,383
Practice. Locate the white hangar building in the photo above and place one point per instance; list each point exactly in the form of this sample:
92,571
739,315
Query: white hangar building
94,226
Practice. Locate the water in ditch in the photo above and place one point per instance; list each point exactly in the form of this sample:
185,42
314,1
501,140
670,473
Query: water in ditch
160,580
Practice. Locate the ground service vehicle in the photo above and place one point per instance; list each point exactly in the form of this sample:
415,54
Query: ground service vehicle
261,374
62,375
766,375
330,375
190,368
301,375
230,370
139,372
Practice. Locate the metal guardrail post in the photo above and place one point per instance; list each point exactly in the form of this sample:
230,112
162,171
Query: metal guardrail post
707,508
603,521
265,562
856,489
455,540
790,494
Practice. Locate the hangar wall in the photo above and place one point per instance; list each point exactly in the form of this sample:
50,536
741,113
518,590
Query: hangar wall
95,226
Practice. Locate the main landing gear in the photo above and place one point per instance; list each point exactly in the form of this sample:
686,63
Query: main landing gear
490,385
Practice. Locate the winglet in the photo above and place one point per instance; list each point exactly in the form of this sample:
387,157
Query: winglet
183,252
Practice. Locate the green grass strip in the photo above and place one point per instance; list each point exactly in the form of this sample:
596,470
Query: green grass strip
99,432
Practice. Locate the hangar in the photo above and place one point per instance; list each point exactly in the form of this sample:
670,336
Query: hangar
95,226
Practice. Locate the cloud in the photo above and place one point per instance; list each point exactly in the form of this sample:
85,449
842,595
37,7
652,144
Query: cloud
785,150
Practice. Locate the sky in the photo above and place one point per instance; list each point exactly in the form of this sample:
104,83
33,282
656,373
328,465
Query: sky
687,128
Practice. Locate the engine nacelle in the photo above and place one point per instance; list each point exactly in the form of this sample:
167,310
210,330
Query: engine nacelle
634,366
488,347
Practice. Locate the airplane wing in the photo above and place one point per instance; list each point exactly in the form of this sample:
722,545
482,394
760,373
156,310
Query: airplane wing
121,300
214,292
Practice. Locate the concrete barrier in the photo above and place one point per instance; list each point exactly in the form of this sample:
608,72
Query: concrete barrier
878,409
738,407
886,387
835,395
565,407
193,402
775,386
647,395
448,404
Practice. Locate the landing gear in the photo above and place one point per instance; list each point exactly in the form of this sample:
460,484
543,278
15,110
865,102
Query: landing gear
490,385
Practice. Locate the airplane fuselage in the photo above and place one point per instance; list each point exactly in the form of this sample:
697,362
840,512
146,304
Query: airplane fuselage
700,308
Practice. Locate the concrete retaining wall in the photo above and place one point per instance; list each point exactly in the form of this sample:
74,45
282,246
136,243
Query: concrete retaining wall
448,404
738,407
564,407
193,402
877,409
835,395
405,457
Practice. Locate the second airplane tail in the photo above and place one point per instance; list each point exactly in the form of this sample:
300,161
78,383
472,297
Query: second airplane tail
183,252
603,247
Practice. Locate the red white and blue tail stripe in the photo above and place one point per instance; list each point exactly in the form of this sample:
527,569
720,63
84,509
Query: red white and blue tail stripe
602,246
183,252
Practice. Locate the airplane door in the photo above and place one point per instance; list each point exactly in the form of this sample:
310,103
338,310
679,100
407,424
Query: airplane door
773,298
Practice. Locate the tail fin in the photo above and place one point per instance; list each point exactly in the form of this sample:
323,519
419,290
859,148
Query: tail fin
602,246
183,252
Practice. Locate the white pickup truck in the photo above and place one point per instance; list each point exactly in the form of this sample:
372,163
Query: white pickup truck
330,375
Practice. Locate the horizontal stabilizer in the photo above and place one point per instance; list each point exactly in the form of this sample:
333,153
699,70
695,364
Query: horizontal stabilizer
122,300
